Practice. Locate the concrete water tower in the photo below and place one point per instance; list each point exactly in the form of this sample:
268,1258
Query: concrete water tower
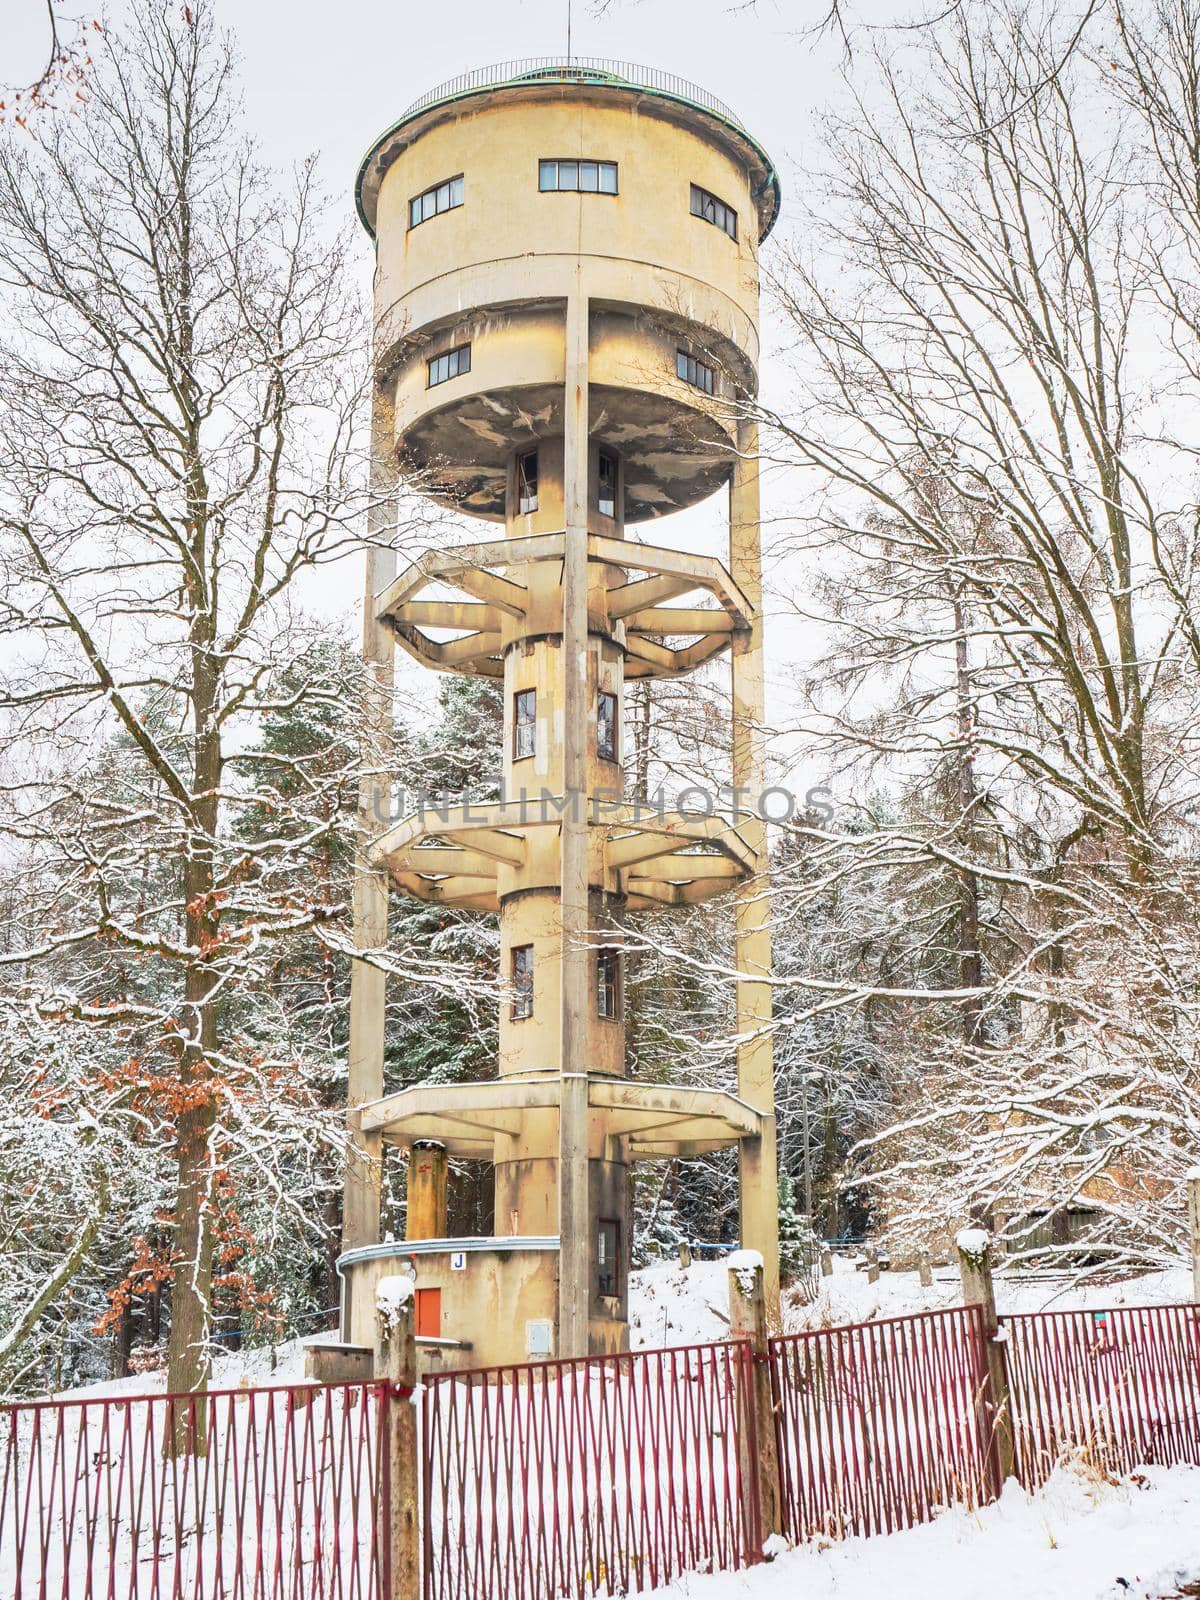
566,304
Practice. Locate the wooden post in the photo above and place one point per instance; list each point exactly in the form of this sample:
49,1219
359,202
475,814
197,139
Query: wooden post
685,1254
826,1261
748,1320
974,1246
925,1271
872,1265
396,1366
1193,1193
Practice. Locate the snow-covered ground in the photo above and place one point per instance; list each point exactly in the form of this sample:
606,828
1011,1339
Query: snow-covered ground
1079,1538
672,1305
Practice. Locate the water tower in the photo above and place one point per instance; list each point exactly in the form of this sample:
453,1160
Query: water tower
566,302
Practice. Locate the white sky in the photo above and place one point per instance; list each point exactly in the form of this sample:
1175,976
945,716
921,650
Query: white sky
329,75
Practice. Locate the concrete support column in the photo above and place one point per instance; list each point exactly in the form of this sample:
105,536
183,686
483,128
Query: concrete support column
574,1221
428,1182
368,985
759,1199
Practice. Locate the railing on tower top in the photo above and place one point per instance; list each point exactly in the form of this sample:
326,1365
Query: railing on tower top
579,69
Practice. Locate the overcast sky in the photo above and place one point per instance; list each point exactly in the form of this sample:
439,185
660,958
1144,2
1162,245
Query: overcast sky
329,75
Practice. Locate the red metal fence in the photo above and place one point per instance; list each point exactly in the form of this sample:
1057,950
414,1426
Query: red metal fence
282,1503
1124,1383
576,1478
877,1424
592,1476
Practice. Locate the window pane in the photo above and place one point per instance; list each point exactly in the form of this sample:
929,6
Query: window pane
428,205
548,175
568,174
608,177
414,212
588,177
527,482
681,365
456,192
524,724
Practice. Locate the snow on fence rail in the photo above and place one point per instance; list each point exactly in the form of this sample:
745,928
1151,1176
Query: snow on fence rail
282,1502
1123,1383
599,1476
877,1424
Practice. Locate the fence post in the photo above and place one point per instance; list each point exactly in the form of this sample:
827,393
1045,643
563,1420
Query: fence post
925,1271
685,1254
974,1247
396,1367
748,1320
1193,1193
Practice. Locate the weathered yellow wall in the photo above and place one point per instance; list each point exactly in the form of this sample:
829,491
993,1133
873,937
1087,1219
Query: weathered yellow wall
506,221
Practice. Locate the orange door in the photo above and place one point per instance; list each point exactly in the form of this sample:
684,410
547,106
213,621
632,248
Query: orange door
429,1313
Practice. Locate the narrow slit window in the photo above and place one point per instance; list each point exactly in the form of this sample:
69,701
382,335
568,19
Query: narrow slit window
606,500
522,982
606,726
527,482
698,373
709,209
450,364
608,983
608,1253
444,196
524,723
577,176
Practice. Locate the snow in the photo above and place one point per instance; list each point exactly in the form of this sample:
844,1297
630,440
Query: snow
744,1261
1079,1538
973,1242
669,1304
392,1294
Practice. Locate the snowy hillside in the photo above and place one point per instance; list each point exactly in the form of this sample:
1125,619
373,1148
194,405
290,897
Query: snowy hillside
671,1305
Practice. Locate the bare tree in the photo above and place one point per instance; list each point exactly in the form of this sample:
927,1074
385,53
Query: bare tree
179,440
996,351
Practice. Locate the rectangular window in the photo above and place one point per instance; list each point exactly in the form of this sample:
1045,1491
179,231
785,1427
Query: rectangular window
608,983
607,497
710,209
522,982
606,726
527,482
524,723
586,177
608,1258
442,197
450,364
698,373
